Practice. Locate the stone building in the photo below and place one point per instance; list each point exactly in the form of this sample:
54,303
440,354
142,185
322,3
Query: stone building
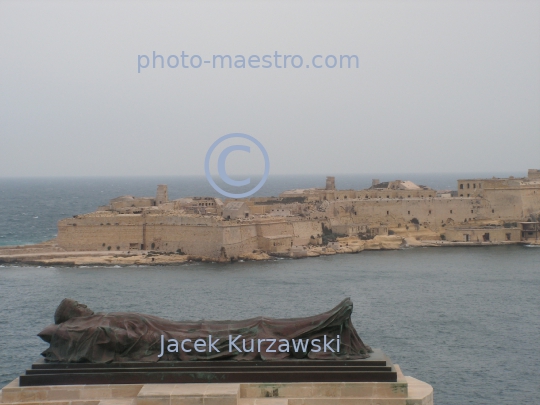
236,210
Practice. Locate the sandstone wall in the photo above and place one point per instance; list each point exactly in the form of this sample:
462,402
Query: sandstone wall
477,235
239,239
135,232
531,201
497,204
433,211
303,230
201,236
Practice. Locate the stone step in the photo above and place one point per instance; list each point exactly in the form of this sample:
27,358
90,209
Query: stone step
263,401
59,402
188,394
346,401
67,394
325,390
118,401
418,393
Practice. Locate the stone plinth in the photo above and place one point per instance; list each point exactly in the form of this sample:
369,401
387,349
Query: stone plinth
406,391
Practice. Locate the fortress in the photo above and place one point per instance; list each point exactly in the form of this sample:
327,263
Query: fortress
496,210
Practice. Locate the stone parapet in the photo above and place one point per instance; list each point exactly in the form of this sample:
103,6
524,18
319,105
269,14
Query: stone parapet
406,391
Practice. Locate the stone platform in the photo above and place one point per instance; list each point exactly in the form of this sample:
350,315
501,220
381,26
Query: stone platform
406,391
377,368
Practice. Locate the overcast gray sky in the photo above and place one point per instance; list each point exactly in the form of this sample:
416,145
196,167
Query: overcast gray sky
442,86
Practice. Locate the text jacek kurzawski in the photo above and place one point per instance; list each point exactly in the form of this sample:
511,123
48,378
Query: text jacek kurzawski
240,345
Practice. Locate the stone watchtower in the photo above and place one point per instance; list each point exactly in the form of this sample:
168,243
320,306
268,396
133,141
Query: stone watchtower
162,195
330,183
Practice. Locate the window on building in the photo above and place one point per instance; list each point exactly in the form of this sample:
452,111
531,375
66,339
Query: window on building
474,185
461,186
508,236
430,211
472,212
387,212
409,212
450,211
468,185
493,211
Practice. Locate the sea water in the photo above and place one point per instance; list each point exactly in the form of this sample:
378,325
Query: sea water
465,320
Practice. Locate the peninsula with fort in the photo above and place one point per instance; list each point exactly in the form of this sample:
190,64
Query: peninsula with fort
298,223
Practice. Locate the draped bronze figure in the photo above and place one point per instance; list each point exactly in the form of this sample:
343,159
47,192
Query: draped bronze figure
80,335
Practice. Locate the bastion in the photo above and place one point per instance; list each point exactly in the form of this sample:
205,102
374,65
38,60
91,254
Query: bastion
480,210
297,223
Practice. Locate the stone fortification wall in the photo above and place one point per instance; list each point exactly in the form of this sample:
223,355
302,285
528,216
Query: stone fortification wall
194,240
105,233
433,211
304,230
195,235
530,197
464,234
504,204
138,232
239,239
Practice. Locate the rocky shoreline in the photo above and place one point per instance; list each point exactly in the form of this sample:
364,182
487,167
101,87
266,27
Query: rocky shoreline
49,254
